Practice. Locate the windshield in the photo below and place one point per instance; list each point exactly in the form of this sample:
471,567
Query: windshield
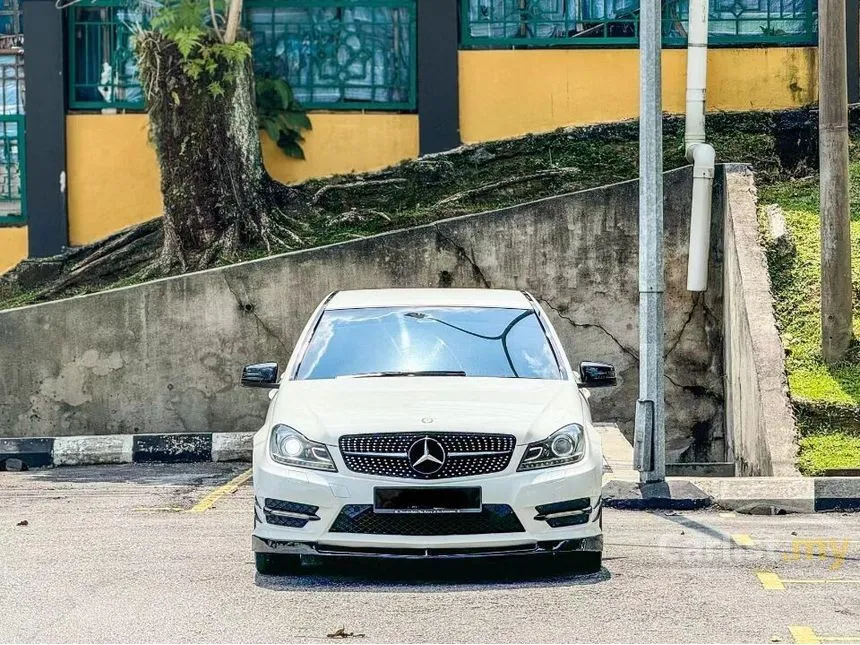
429,341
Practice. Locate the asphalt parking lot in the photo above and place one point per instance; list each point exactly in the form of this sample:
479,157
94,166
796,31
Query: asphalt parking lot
160,553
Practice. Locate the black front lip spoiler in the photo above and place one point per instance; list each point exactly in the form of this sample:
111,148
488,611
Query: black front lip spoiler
591,544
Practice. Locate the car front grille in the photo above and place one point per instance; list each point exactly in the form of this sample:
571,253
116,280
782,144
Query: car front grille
360,518
467,454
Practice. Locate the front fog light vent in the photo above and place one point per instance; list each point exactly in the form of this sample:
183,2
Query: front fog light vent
567,513
290,514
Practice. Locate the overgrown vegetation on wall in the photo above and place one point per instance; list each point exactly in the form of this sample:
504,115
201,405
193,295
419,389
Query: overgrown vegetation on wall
778,145
826,398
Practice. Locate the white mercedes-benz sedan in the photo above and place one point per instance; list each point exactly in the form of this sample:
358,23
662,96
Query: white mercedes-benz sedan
421,423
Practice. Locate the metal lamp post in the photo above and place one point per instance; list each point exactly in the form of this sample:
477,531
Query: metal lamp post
650,437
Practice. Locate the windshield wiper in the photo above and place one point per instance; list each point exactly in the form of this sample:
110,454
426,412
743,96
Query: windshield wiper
414,373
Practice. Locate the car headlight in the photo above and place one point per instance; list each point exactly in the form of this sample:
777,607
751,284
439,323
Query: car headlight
290,447
562,447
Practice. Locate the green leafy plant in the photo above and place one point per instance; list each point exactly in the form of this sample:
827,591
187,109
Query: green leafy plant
175,17
281,116
194,26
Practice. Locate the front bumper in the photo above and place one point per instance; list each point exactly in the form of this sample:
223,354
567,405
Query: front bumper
261,545
523,492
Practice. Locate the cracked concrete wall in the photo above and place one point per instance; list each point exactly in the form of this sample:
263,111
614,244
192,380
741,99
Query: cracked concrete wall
166,356
759,418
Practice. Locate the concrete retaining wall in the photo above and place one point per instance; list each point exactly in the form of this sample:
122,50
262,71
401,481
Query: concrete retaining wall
759,421
165,356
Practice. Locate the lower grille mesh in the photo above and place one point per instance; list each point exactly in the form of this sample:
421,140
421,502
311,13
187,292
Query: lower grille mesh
493,518
289,507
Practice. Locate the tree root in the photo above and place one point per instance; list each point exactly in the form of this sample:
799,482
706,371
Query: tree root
101,263
356,216
357,184
504,183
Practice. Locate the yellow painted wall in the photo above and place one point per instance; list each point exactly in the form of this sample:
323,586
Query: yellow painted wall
113,177
506,93
112,174
346,142
13,246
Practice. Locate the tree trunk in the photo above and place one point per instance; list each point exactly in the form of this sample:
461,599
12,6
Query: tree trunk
217,194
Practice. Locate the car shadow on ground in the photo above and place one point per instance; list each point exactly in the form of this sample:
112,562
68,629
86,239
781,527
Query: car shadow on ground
381,575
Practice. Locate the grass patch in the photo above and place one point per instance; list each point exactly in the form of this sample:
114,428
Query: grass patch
822,452
797,290
829,394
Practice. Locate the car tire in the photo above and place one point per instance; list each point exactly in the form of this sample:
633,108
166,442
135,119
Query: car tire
581,561
278,564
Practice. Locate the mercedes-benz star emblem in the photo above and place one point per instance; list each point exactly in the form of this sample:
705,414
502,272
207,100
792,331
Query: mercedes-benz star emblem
427,456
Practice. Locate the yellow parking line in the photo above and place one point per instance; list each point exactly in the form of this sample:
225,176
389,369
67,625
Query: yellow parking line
803,540
741,539
227,489
770,581
825,581
803,634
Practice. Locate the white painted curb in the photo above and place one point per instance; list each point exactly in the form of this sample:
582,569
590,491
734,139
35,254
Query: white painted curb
105,449
232,446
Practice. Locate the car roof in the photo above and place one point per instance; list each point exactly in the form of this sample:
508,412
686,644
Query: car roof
497,298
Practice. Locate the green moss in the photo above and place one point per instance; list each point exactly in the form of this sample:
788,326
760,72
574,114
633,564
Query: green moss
10,299
822,452
825,417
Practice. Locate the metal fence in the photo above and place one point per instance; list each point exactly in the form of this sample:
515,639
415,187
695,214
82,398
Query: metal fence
336,54
361,54
102,65
615,23
13,195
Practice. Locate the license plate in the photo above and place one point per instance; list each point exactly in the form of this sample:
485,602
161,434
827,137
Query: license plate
427,500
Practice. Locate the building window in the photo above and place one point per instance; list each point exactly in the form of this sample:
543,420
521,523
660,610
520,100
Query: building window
601,23
338,54
102,64
13,206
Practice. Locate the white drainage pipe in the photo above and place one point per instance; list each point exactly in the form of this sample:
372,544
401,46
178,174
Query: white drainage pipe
700,217
699,153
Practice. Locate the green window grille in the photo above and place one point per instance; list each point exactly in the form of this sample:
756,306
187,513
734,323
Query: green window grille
13,194
615,23
11,30
102,65
338,54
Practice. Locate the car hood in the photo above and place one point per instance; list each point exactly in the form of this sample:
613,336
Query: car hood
529,409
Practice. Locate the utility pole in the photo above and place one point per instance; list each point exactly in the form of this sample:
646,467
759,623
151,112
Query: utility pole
833,154
650,437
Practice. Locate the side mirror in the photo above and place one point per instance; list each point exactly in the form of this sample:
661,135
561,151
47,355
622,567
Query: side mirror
260,375
597,374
